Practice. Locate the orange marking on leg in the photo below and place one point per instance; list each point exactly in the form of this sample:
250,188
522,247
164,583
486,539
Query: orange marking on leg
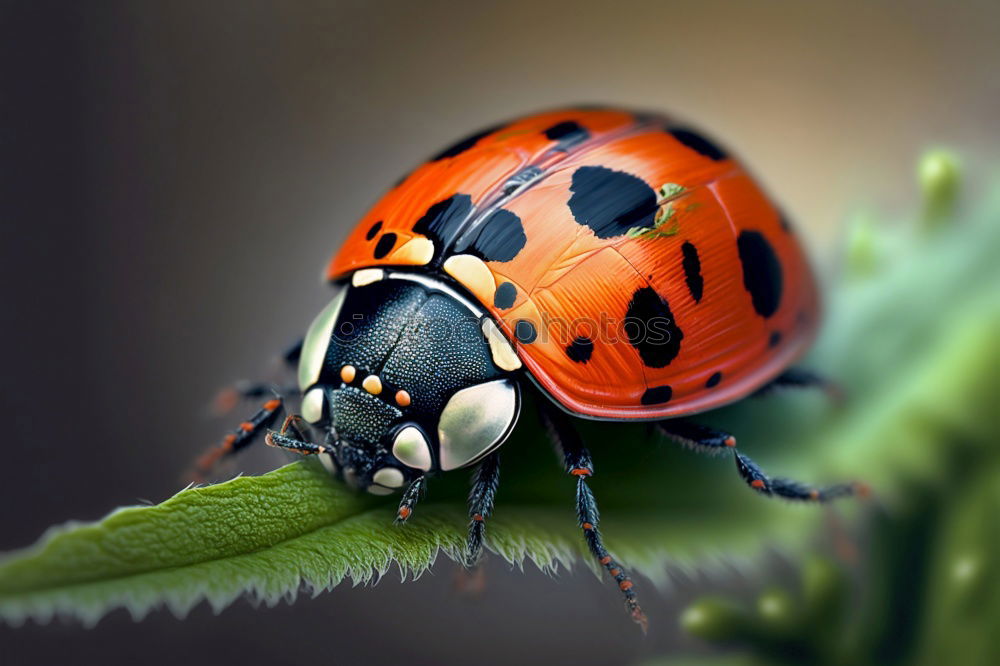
587,526
404,512
605,560
228,441
814,494
272,405
625,585
730,441
757,483
580,471
478,518
614,572
246,426
863,490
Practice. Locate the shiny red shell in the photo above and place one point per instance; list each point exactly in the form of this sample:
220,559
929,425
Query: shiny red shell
638,270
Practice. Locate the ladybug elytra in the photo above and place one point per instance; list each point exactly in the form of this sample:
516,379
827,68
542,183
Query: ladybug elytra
626,267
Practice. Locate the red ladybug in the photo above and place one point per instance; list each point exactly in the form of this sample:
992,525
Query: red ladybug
626,266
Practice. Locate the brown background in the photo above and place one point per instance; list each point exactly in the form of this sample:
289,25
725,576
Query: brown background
176,175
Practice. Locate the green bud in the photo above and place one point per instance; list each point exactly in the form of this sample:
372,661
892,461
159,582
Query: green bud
939,175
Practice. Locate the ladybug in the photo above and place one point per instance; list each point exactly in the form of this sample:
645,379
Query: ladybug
624,266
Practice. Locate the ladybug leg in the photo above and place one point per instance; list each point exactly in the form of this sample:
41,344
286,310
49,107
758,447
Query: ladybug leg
228,398
791,489
579,464
239,439
703,438
484,490
298,443
795,378
696,436
411,496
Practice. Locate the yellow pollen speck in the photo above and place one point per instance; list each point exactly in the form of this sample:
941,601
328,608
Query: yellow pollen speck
372,384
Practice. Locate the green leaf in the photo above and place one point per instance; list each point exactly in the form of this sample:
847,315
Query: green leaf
914,344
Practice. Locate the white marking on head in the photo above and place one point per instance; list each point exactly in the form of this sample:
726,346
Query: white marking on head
411,449
367,276
312,405
475,421
503,353
390,477
380,490
317,341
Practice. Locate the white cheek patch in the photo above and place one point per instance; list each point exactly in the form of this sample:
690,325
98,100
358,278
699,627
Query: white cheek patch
475,421
411,449
390,477
326,460
312,405
379,490
317,341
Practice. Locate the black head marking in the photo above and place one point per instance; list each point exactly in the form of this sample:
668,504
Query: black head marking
697,143
692,271
500,237
657,395
443,220
713,380
761,272
505,295
373,231
775,339
611,202
651,328
580,349
525,332
384,245
568,134
465,144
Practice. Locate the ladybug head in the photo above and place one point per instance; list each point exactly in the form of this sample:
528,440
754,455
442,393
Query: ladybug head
400,379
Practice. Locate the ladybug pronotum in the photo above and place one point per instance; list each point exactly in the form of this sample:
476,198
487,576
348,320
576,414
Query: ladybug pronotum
624,266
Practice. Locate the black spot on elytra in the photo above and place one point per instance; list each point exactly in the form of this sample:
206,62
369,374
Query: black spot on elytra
525,332
714,380
651,328
611,202
443,220
464,144
580,349
692,271
567,133
505,295
384,245
697,143
499,238
374,230
775,339
657,395
761,272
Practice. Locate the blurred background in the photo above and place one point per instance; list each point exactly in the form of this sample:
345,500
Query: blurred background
176,176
